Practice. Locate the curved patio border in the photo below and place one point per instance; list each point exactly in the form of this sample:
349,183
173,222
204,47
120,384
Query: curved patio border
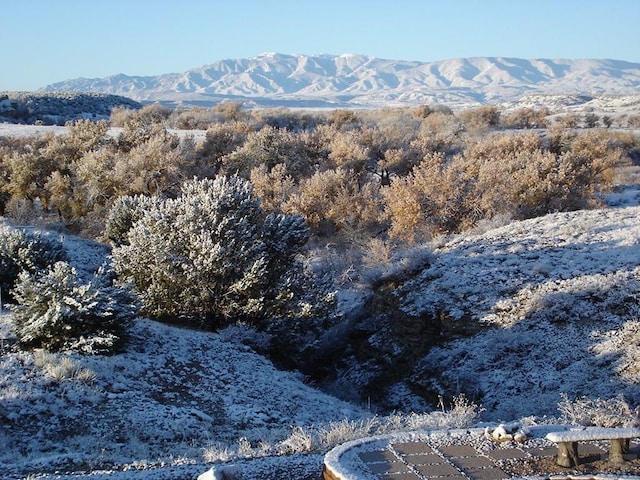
382,457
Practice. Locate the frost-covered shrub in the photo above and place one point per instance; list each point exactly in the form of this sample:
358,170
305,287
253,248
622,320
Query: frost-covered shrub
54,311
21,211
124,212
269,147
22,250
346,430
613,412
210,255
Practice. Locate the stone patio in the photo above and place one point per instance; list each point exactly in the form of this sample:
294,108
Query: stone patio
464,457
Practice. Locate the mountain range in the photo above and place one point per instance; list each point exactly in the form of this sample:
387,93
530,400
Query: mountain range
330,81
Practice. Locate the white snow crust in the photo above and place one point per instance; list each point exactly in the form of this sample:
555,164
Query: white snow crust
592,433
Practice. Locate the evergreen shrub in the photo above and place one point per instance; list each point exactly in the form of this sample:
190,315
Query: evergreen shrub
211,255
54,311
23,250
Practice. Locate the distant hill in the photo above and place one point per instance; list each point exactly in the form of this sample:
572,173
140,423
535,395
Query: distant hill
274,79
56,108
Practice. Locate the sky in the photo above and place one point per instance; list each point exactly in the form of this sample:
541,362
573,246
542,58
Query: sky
46,41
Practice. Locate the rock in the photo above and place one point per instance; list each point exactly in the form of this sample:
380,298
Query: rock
226,472
500,434
211,474
506,433
520,437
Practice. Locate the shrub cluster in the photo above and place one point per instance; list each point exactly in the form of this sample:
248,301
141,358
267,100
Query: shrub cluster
56,108
612,412
210,255
403,173
51,308
515,177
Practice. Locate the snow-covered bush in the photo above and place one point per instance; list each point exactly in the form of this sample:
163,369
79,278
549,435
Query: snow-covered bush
22,250
346,430
55,312
210,255
462,414
126,211
613,412
269,147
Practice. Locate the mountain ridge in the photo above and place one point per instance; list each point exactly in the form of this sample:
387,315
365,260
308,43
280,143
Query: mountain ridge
364,81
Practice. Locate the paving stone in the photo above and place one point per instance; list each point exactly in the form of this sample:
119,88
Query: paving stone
400,476
378,456
491,473
412,448
458,450
425,459
541,451
438,470
472,462
387,467
590,449
506,453
457,476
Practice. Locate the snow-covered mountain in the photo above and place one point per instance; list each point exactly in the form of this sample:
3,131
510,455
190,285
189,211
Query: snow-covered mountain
362,81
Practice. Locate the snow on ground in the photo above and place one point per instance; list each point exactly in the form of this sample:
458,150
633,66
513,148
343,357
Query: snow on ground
15,130
564,291
154,410
557,295
18,130
173,393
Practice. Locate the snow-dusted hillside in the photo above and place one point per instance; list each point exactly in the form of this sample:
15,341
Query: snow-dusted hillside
57,108
173,396
556,297
363,81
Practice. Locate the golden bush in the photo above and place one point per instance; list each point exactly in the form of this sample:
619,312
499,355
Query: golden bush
525,118
269,146
480,119
274,187
334,200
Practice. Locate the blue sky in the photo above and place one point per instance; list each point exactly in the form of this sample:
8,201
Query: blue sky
45,41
